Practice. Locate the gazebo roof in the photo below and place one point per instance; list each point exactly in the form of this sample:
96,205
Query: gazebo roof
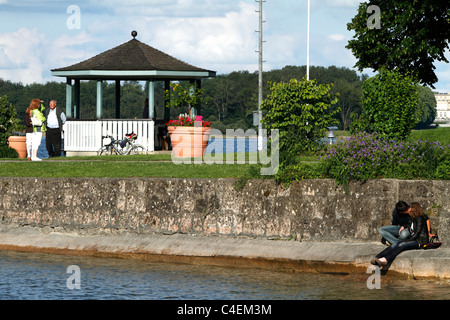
133,60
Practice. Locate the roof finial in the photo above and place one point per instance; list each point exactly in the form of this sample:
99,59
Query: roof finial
134,34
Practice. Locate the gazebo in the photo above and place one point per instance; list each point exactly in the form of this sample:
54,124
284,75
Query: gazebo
132,60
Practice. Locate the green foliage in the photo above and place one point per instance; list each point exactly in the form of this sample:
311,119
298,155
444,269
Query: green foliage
413,35
365,157
187,95
8,120
298,172
427,107
302,112
443,168
234,96
390,105
7,152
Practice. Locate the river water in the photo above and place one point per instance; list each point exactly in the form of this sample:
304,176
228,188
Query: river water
38,276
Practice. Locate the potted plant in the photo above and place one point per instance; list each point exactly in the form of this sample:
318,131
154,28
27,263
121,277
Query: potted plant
189,134
189,137
18,141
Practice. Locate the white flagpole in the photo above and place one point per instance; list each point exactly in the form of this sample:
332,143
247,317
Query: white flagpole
307,45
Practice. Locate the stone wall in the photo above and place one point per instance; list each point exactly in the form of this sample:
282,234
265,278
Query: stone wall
309,210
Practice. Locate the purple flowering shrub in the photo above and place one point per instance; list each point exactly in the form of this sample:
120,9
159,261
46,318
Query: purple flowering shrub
372,156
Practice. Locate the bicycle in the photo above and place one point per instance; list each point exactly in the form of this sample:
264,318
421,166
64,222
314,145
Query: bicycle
123,147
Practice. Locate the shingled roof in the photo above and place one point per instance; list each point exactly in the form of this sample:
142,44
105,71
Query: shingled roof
133,60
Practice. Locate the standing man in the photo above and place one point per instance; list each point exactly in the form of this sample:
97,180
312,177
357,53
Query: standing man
54,123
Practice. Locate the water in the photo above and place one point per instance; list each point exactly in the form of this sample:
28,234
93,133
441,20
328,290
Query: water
232,145
31,276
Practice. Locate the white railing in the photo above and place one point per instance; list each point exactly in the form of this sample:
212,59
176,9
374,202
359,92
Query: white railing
86,136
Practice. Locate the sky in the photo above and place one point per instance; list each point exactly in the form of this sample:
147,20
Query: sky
219,35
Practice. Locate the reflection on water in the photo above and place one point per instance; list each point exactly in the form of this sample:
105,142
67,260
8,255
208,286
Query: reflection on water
44,276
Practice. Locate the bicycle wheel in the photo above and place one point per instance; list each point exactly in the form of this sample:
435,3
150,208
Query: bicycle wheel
137,149
104,150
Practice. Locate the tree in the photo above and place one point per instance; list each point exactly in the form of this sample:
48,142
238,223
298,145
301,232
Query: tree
427,107
301,111
349,99
412,36
390,105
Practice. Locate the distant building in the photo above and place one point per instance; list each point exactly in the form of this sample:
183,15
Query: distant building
443,106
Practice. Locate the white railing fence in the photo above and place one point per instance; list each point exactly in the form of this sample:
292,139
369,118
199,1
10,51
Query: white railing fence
86,136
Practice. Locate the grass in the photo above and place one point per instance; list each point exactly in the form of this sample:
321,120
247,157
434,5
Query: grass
108,169
121,166
440,134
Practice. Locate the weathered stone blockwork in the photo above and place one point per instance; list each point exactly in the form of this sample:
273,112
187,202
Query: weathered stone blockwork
309,210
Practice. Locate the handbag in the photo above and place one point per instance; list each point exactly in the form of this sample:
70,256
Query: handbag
433,244
35,121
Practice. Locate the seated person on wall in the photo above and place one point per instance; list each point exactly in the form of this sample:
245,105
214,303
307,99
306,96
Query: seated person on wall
401,222
398,230
418,231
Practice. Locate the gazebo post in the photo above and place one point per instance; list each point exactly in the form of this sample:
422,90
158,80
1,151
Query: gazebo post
76,105
199,86
69,98
99,98
117,99
151,100
166,110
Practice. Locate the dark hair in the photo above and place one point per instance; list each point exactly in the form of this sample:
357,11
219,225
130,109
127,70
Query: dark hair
401,206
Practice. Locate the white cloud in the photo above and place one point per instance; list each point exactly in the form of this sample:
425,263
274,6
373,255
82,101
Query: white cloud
19,53
343,3
164,8
208,42
27,55
337,37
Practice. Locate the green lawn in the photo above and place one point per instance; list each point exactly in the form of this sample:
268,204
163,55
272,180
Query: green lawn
120,166
440,134
97,169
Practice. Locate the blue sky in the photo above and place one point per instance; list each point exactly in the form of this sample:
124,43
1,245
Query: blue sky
213,34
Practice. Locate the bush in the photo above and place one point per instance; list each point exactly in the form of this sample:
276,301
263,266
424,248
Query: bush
365,157
7,152
301,111
443,168
8,121
390,105
299,172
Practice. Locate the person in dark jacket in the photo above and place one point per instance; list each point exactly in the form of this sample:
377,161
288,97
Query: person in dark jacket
398,231
55,121
417,239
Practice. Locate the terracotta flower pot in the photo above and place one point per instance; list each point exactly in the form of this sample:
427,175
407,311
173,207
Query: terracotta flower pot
20,144
189,142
